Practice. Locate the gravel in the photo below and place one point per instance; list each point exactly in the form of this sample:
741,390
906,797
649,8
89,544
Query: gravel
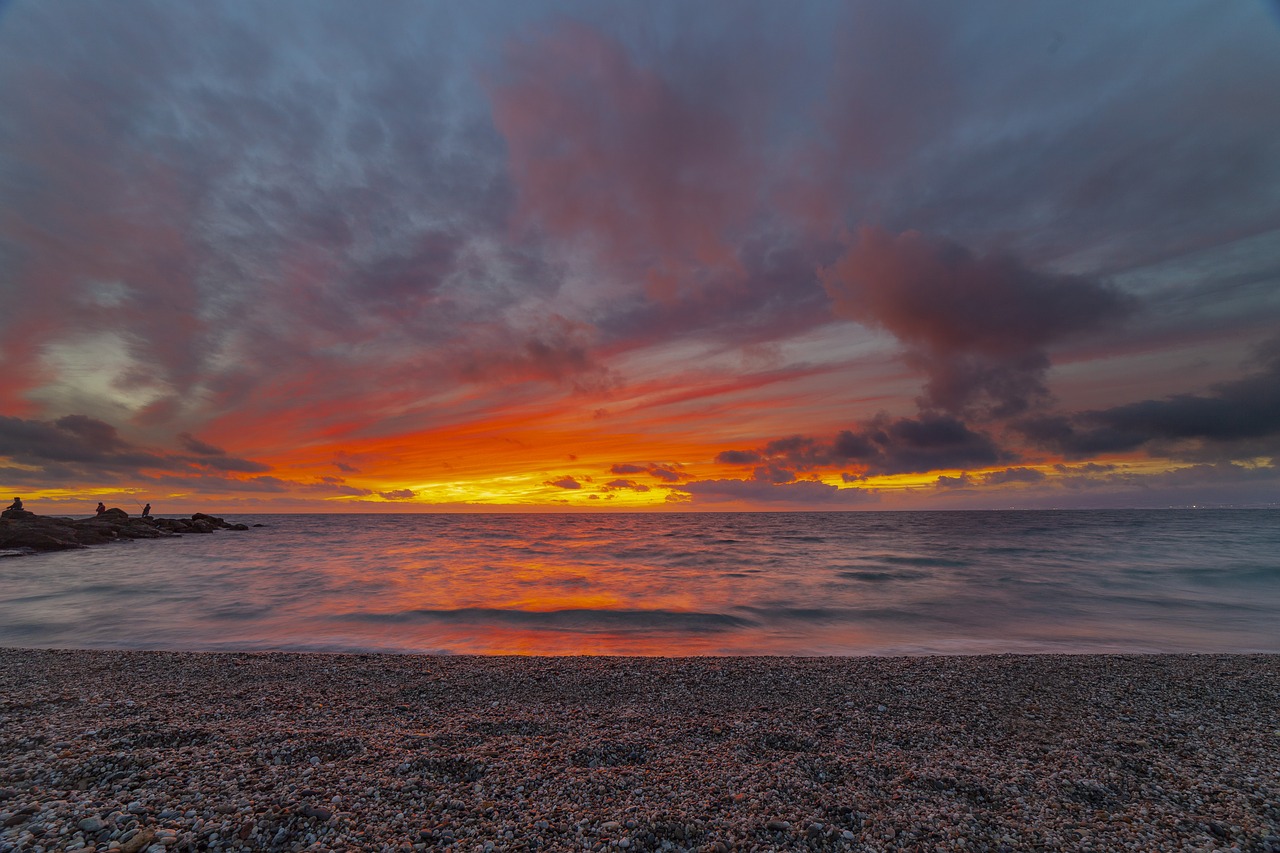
161,751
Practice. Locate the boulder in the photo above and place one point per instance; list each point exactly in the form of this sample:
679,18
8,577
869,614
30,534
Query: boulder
37,534
16,514
30,533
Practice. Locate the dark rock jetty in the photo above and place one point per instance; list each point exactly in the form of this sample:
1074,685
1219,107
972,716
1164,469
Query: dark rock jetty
23,532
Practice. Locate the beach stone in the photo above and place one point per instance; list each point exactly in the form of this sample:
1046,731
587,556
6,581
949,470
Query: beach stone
1086,771
92,824
138,842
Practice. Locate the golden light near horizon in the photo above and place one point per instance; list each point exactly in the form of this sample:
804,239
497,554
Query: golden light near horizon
796,294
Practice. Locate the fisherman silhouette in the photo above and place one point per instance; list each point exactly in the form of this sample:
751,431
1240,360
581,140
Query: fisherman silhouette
146,511
17,504
101,508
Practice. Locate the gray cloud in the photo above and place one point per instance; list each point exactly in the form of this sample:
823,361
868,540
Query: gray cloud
883,445
630,485
1239,419
804,492
929,442
977,326
1013,475
78,448
567,482
195,445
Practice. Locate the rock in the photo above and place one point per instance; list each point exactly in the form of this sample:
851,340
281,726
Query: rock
34,533
315,811
38,534
139,842
92,824
17,514
778,825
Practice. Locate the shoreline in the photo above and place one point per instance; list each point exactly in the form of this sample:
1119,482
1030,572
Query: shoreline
290,751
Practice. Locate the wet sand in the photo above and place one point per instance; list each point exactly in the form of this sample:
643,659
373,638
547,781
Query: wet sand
169,751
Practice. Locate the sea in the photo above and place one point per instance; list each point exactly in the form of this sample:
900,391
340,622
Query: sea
667,584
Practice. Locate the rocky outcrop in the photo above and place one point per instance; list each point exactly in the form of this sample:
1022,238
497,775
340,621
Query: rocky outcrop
31,533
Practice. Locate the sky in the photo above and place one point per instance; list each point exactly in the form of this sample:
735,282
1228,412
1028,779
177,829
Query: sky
409,256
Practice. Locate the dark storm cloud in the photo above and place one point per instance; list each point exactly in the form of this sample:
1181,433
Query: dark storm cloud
738,457
1235,419
603,147
73,441
630,485
665,472
971,482
805,492
249,213
964,481
776,474
567,482
227,464
1060,132
560,350
77,446
194,445
884,445
930,442
1013,475
772,292
977,326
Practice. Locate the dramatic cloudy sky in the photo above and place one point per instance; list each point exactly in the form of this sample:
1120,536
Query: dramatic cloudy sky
720,255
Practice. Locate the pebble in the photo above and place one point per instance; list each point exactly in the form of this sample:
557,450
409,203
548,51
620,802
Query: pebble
365,752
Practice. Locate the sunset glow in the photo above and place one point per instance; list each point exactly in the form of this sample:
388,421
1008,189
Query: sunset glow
582,256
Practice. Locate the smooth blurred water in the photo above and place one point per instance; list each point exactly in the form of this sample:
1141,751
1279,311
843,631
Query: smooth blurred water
671,584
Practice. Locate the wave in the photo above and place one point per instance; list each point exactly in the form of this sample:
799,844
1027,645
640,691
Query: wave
577,619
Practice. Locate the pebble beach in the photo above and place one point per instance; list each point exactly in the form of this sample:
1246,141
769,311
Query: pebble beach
165,751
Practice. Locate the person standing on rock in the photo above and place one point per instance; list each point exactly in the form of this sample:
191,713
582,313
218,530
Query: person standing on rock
101,507
146,511
17,504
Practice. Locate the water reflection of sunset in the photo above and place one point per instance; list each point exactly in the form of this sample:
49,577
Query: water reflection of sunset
669,584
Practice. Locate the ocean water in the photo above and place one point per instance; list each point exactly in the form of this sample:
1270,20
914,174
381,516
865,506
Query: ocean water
671,584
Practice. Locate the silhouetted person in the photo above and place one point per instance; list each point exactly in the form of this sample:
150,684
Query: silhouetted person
146,511
101,508
17,504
